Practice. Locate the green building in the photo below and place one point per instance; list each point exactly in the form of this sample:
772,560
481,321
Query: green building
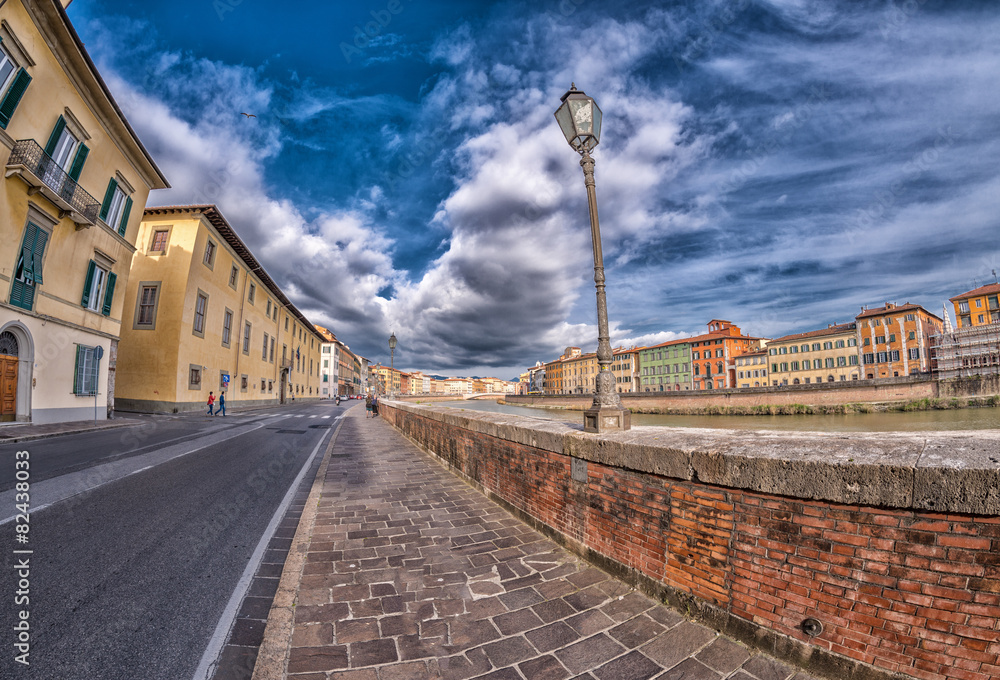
665,367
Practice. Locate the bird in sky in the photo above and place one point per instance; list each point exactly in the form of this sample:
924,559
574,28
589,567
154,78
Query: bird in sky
248,115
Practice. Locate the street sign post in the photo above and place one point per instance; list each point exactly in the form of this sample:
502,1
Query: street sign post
98,355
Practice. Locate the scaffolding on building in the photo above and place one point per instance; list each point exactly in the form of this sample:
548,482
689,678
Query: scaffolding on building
964,352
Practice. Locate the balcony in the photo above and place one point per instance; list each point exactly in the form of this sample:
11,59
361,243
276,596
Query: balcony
30,162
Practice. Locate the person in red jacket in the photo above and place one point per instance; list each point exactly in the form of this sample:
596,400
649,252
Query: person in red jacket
211,402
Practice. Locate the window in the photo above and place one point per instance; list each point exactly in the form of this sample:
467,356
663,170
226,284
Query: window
980,318
268,313
159,244
853,360
782,350
867,342
841,361
246,337
852,342
772,351
894,355
878,322
839,344
827,345
784,366
28,269
794,349
98,289
914,353
62,144
200,308
286,324
910,317
261,384
264,355
243,383
829,362
719,353
209,259
116,207
234,277
879,339
270,385
869,358
272,350
805,348
795,365
85,378
223,380
13,83
252,294
882,357
697,355
194,377
892,337
146,301
227,327
979,303
963,307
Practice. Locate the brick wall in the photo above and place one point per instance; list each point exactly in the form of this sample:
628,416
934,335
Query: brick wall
898,591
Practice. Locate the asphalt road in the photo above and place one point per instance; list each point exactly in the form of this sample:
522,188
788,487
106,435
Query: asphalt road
129,577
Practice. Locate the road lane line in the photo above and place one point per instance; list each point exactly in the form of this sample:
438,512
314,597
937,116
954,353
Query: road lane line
210,659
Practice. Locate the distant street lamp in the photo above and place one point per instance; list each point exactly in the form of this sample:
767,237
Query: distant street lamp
392,360
579,118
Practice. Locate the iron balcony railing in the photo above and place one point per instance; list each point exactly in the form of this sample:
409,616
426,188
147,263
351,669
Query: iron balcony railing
52,180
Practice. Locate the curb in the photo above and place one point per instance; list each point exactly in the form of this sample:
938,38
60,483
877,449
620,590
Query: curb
272,657
82,430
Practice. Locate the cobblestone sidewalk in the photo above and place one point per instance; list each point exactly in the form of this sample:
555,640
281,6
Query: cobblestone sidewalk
411,573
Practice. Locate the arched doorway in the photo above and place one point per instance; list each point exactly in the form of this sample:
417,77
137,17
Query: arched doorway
8,376
17,356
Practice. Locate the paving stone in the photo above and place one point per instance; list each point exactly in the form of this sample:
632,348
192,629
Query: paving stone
356,631
676,644
552,610
509,651
766,668
589,653
691,669
366,674
626,606
327,658
636,632
723,655
468,632
517,621
586,599
315,635
525,597
632,666
372,652
544,668
414,670
418,647
502,674
588,623
553,636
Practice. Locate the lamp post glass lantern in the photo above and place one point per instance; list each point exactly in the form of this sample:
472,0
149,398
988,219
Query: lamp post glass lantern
579,118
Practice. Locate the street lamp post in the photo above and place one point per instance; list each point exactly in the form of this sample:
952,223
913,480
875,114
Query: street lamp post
579,118
392,360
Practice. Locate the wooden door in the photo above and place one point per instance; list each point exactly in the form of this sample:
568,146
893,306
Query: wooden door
8,388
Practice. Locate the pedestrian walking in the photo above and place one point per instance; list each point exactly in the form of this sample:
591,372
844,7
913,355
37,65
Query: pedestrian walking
211,403
222,404
375,406
369,404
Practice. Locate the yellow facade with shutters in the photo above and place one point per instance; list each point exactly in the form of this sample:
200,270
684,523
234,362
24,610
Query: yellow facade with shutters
202,315
76,179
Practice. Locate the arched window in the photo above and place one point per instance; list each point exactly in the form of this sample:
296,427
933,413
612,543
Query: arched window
8,344
830,378
719,368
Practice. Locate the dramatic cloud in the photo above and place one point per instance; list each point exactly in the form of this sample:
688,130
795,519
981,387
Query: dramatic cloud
774,163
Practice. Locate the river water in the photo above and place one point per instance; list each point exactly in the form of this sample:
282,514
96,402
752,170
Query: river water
956,419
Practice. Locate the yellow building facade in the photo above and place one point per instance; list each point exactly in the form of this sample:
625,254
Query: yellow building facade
826,355
75,183
202,315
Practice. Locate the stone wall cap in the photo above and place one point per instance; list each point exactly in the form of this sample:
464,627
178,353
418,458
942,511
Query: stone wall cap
946,471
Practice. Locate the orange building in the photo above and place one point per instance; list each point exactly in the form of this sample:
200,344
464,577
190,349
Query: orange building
556,374
894,340
978,307
713,354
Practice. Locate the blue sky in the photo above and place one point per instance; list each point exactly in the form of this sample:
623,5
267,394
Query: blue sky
776,163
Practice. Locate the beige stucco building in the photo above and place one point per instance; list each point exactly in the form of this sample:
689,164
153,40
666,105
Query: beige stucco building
76,180
202,315
826,355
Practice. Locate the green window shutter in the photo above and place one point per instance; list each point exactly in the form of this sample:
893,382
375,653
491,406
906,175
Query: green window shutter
37,251
76,372
50,147
88,283
108,196
78,161
125,211
109,294
13,97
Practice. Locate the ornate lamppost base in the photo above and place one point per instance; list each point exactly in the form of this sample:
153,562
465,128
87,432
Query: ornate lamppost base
601,419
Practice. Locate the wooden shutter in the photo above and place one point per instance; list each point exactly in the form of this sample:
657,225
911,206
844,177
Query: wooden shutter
125,211
13,97
78,161
50,147
88,283
37,251
109,294
108,197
